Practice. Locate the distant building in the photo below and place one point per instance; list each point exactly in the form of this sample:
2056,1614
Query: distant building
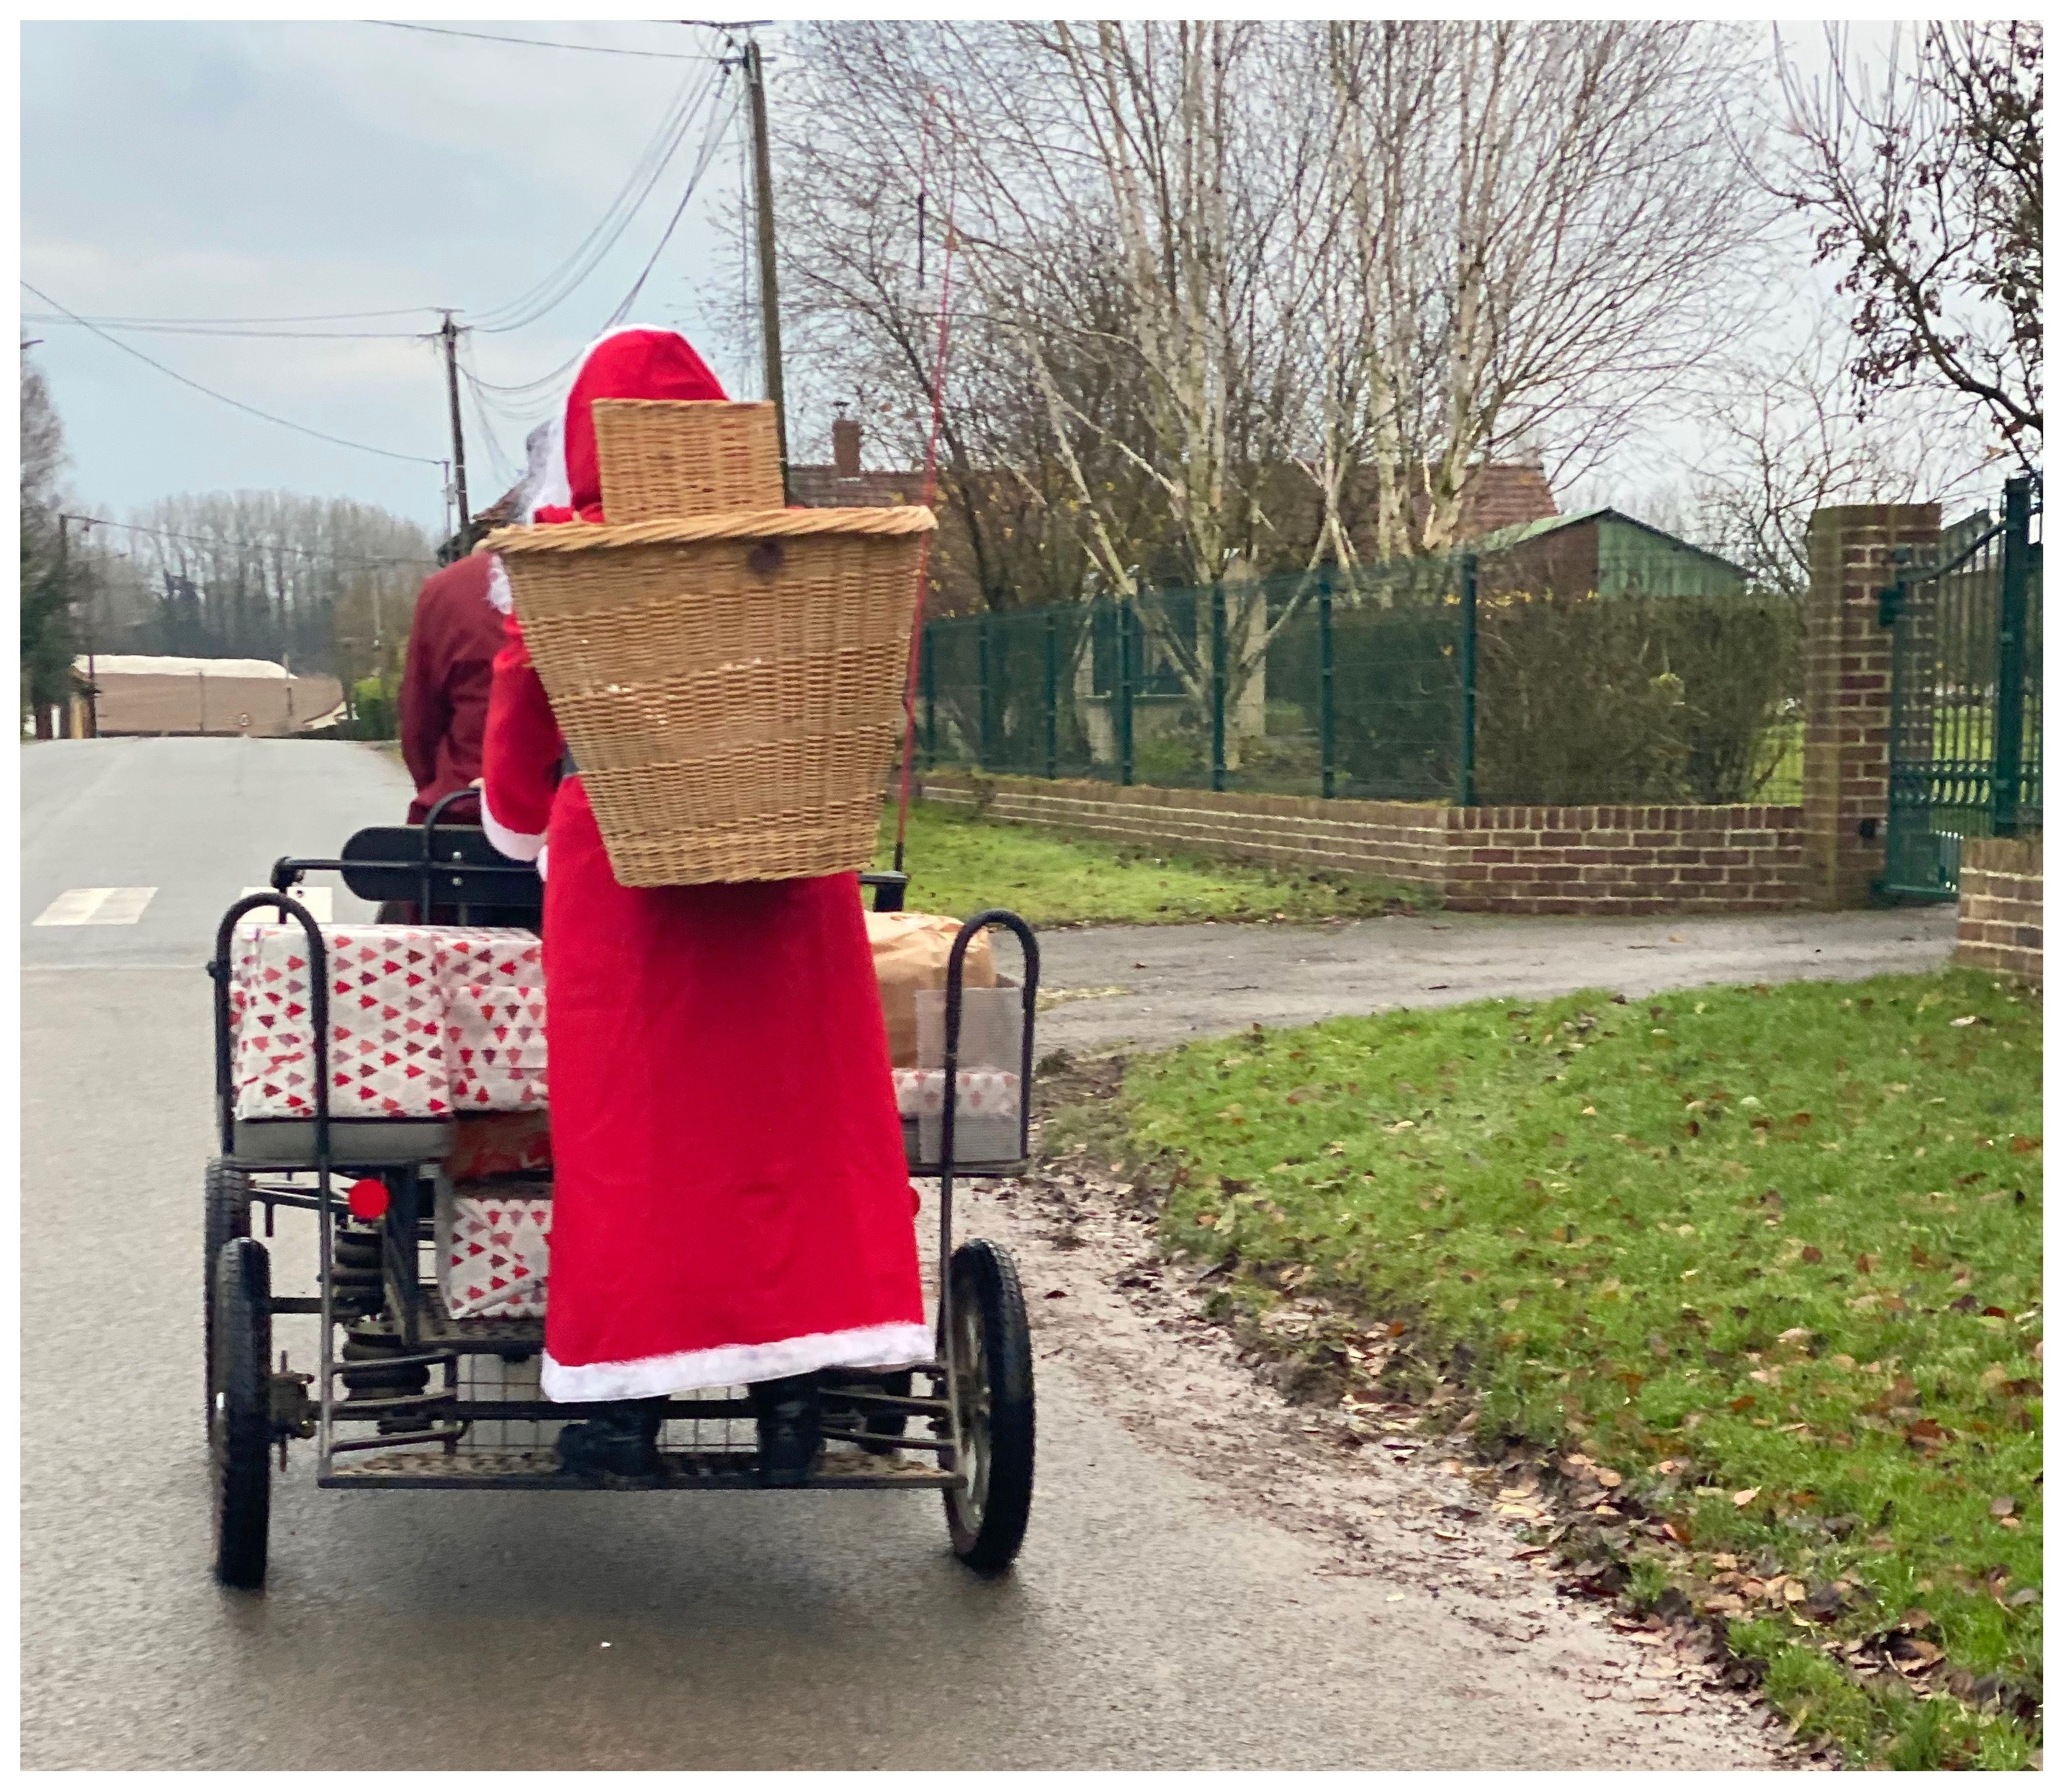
158,694
1603,550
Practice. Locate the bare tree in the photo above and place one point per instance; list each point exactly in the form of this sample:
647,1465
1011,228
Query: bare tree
262,575
1924,177
1778,441
47,585
1546,227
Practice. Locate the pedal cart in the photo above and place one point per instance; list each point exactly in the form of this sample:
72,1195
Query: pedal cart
404,1396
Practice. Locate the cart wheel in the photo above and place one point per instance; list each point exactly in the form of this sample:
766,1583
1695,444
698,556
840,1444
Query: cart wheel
992,1394
225,1214
240,1424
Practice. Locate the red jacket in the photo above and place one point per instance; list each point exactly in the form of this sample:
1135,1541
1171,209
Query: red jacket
452,646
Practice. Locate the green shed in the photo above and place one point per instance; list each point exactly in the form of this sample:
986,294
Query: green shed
1603,550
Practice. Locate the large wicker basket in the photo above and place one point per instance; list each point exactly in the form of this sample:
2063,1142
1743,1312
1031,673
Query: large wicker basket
731,685
661,458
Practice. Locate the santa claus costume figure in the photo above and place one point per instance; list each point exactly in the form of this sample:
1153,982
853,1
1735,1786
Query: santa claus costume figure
731,1204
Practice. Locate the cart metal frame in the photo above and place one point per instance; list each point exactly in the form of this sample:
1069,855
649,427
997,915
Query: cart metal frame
456,870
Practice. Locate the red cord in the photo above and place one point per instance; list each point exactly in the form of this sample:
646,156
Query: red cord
931,491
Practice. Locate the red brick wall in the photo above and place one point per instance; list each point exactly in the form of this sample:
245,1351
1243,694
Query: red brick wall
1848,689
1406,842
1727,859
1999,907
1518,861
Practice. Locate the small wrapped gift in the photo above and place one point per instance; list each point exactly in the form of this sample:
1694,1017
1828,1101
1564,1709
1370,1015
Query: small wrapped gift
386,1025
494,1048
910,954
493,1252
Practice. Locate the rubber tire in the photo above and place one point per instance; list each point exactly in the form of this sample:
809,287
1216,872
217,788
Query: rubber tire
985,1284
225,1214
240,1400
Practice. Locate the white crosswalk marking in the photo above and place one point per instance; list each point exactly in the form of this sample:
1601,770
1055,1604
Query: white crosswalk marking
97,907
314,898
123,908
71,909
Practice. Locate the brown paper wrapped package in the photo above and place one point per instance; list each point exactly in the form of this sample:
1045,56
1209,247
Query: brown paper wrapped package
910,954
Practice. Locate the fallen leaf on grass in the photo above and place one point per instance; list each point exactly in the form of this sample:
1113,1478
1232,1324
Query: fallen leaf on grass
2002,1507
1747,1496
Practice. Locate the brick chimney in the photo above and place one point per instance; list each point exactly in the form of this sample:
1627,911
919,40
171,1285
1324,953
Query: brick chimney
846,446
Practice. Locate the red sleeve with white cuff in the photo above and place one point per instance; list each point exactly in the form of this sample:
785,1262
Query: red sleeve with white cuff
520,766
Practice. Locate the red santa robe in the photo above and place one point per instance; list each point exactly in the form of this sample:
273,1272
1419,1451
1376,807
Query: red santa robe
453,641
731,1203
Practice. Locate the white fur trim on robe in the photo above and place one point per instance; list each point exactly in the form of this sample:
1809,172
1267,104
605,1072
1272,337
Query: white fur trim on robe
892,1346
498,593
522,847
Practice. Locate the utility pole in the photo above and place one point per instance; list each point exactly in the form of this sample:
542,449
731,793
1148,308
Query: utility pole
770,306
43,729
450,333
92,666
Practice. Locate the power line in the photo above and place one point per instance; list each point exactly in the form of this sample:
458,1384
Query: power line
561,284
235,404
710,142
225,329
261,546
531,387
506,402
302,317
540,43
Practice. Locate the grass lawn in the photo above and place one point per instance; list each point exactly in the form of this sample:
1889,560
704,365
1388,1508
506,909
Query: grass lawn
1770,1257
958,864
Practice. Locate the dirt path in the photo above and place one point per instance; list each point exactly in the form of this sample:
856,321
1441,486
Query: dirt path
1157,986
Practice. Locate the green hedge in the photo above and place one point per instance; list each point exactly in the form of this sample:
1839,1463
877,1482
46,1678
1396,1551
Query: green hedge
1632,699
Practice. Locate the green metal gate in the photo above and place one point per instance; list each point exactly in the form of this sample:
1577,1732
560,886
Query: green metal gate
1966,734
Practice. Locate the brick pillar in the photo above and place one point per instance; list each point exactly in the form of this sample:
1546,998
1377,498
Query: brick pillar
1848,690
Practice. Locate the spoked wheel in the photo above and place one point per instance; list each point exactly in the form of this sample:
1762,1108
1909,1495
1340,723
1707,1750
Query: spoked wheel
240,1432
225,1214
990,1385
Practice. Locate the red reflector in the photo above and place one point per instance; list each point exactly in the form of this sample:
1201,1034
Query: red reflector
367,1198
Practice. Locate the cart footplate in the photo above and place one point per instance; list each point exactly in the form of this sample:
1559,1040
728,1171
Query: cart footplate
686,1471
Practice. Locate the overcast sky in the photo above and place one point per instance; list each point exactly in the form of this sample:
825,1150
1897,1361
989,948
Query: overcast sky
237,170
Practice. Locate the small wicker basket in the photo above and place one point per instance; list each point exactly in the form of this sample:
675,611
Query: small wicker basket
663,458
731,685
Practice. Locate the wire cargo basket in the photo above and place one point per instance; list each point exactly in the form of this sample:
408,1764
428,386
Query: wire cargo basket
731,685
661,458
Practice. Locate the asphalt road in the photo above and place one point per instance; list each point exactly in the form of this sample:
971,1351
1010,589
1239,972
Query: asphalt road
1151,1624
